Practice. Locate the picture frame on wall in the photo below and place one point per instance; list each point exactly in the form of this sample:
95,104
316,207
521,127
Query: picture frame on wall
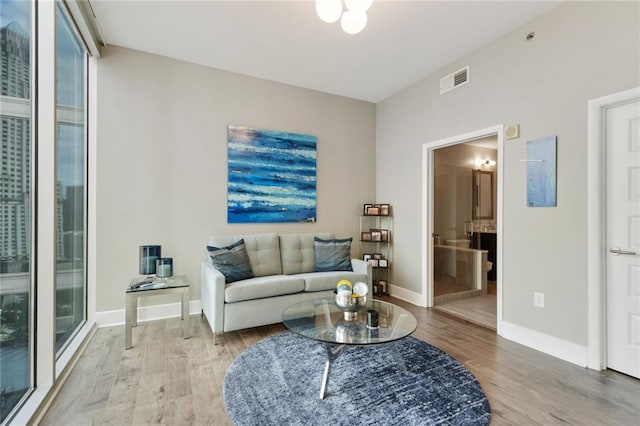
373,210
542,176
251,159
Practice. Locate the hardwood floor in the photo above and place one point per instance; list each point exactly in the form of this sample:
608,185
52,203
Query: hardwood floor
164,379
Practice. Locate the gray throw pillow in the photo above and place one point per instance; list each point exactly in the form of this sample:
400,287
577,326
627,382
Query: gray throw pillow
232,261
333,255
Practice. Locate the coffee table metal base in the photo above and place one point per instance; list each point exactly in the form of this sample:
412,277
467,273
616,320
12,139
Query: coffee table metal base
332,352
323,321
331,355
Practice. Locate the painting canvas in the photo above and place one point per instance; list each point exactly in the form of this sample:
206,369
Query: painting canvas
541,172
272,176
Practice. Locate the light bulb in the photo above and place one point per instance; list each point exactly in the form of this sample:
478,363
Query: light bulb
353,22
358,5
329,10
484,163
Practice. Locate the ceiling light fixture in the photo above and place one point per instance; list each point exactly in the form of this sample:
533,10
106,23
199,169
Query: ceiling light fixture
352,21
329,10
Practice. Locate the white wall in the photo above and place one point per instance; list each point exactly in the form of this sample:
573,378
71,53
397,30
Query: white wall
581,51
162,160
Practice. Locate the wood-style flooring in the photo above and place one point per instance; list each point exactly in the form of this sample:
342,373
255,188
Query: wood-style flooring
167,380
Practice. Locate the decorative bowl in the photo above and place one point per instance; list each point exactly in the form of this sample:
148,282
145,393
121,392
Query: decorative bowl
350,305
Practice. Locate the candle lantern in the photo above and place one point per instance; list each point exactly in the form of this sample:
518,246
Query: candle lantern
164,267
148,257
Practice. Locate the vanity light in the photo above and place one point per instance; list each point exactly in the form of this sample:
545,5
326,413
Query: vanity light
484,163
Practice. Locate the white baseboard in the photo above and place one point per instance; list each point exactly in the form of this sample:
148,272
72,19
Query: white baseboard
146,313
549,345
406,295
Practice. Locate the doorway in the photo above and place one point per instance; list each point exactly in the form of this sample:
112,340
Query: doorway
614,246
462,205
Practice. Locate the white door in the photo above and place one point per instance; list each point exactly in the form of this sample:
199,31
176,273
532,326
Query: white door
623,237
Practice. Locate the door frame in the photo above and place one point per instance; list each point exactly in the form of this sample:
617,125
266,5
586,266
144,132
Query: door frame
428,171
596,225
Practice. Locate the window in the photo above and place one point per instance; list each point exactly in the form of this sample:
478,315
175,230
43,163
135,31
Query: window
71,67
15,201
43,148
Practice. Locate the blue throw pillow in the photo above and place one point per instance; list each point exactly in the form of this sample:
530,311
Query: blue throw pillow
232,261
333,255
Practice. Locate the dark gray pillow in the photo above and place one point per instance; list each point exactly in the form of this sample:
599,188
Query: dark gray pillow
232,261
333,255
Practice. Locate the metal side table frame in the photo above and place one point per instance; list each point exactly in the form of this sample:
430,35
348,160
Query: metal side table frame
177,284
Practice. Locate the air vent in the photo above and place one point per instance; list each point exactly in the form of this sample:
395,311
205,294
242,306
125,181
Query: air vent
454,80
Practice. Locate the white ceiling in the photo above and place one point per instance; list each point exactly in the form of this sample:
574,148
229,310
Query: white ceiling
285,41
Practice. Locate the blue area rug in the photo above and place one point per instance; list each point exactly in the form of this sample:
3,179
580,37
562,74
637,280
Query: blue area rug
277,382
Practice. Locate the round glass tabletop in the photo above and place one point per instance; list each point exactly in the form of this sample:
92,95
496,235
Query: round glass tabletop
322,320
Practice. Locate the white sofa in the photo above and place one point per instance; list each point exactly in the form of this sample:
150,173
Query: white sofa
283,266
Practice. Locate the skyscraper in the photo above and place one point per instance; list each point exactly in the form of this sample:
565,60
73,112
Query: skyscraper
15,179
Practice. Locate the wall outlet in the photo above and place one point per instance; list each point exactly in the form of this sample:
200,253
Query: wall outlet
538,300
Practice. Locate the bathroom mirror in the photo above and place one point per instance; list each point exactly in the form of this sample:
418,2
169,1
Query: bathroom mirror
482,194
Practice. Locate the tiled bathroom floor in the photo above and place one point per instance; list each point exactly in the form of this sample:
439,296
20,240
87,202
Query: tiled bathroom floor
479,310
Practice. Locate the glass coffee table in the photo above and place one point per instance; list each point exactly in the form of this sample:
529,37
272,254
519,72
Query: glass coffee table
323,321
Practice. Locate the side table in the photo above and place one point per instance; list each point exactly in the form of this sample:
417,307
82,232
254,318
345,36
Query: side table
177,284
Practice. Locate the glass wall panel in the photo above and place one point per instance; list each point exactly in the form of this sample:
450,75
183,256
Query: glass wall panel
70,181
15,204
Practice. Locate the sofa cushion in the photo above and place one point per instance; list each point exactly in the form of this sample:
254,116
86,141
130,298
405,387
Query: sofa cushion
319,281
261,287
298,252
263,251
333,255
232,261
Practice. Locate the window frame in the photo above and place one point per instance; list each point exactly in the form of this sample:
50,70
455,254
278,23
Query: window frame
65,115
48,367
27,109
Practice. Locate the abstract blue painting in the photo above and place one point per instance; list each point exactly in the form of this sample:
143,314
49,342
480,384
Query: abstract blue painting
272,176
541,172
